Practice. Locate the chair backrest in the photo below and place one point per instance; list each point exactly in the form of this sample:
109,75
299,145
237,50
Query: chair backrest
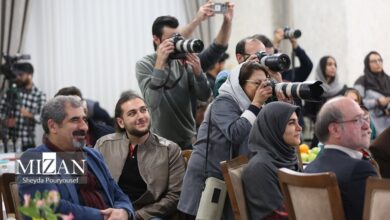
232,171
311,195
5,180
377,199
16,200
186,155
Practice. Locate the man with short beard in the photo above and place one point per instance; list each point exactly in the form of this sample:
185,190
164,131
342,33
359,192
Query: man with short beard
20,107
65,126
147,167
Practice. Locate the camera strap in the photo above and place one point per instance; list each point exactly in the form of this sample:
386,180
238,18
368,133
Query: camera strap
166,85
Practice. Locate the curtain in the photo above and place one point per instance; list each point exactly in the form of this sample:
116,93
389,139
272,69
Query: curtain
204,30
13,17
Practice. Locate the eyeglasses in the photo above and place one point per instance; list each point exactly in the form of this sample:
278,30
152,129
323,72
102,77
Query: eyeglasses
360,120
376,61
257,83
246,56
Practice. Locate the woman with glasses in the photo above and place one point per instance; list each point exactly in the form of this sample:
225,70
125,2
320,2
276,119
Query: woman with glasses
225,130
374,86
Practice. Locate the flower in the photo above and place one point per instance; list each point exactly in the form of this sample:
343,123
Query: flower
67,217
27,199
53,197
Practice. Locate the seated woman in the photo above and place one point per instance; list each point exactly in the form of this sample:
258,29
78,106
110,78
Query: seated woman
273,139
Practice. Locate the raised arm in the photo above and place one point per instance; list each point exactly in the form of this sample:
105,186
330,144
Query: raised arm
205,11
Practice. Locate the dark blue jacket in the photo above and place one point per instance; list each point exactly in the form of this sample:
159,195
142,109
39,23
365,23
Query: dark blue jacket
351,175
69,198
303,71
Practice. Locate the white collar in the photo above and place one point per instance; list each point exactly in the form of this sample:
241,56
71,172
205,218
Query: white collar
352,153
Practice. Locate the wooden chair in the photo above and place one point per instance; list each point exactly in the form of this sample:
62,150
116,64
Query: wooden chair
5,180
186,155
311,195
16,200
377,199
232,171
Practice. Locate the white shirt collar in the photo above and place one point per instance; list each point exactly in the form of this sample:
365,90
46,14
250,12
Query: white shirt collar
352,153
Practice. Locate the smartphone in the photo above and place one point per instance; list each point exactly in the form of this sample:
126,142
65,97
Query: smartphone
220,8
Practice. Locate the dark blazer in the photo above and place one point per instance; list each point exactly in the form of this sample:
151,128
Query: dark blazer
351,176
69,201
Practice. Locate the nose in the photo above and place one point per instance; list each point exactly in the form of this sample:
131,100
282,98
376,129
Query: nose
299,127
83,125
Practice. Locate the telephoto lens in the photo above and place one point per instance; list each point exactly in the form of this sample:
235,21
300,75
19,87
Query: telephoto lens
311,91
276,62
184,46
291,33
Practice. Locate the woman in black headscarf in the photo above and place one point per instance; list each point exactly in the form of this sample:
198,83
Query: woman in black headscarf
273,139
374,86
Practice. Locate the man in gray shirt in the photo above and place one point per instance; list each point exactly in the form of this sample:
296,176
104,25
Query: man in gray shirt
167,84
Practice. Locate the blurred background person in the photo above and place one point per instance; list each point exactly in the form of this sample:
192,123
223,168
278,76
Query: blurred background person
374,86
231,117
273,139
381,152
326,72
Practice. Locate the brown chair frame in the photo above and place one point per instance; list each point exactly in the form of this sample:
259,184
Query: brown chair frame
326,180
373,183
235,163
16,200
5,180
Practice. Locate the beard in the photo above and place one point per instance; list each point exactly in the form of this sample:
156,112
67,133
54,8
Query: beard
22,83
138,133
79,143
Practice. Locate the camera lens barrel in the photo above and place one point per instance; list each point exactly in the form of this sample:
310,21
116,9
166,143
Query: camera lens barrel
189,46
276,62
302,90
292,33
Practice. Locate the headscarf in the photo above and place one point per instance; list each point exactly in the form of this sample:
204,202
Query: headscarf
333,87
379,82
232,88
267,133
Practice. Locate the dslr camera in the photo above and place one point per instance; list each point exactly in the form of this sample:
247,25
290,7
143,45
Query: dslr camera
291,33
276,62
311,91
182,46
220,8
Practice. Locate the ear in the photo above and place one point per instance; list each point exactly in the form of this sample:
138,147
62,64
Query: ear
156,40
53,126
120,122
239,58
334,130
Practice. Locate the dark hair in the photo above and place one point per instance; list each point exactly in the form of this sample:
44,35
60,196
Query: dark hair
265,40
367,60
247,70
240,46
71,90
323,62
55,109
125,96
356,92
19,68
160,23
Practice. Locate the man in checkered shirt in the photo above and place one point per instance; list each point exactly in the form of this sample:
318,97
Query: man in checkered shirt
20,107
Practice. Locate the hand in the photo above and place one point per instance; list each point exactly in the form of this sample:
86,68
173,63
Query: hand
383,101
294,43
25,113
205,11
281,97
194,61
10,122
114,214
228,16
163,51
275,75
263,92
278,36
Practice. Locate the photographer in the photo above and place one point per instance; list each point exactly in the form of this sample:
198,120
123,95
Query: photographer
167,84
297,74
20,108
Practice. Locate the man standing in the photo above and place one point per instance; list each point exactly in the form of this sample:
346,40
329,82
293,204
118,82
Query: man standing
65,127
20,107
168,84
147,167
344,129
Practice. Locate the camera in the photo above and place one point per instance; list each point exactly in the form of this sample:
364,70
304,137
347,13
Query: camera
276,62
6,68
291,33
182,46
220,8
311,91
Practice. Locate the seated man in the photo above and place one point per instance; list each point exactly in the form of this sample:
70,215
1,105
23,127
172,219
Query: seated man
64,123
344,129
147,167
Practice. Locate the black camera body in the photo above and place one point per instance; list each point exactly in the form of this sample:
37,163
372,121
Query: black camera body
276,62
182,46
289,33
6,68
311,91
